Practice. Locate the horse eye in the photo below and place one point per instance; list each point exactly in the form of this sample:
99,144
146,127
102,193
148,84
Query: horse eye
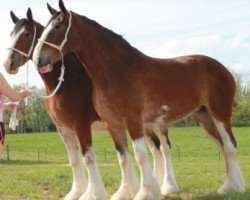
57,26
26,35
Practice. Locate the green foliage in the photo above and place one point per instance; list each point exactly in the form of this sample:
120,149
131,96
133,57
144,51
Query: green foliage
241,109
32,115
200,170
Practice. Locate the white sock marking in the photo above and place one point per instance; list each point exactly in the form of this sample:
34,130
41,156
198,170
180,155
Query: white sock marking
169,184
96,189
158,170
234,180
129,184
149,186
75,157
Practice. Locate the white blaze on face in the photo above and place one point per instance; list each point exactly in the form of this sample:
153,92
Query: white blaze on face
14,39
39,45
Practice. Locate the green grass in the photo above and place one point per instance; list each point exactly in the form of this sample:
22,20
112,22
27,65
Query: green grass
199,171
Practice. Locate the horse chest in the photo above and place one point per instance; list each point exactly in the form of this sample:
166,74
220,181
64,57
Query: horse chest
109,111
57,111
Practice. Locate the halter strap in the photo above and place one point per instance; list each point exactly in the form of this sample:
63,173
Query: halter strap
31,47
60,47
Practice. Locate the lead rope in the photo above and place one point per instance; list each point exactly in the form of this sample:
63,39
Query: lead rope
61,79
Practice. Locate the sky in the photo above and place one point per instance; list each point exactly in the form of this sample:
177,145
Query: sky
158,28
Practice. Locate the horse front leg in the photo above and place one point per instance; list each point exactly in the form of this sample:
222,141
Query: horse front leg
149,188
129,183
95,189
75,157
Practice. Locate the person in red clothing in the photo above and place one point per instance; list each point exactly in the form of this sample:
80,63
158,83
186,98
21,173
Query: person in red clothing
14,96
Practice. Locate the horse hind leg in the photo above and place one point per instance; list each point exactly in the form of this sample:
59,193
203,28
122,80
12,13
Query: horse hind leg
129,183
154,145
75,157
222,135
169,184
234,179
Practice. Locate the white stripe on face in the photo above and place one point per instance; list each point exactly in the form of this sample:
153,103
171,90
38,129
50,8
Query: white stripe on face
39,45
14,40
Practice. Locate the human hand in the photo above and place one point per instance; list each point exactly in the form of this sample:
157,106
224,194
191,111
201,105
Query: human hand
25,93
10,106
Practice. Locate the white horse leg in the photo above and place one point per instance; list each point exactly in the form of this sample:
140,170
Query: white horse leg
234,179
158,170
169,184
149,187
75,157
129,184
95,189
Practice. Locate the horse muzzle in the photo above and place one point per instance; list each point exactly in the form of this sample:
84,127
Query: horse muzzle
9,66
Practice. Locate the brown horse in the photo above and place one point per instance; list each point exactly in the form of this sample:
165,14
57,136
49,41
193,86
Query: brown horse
73,118
132,89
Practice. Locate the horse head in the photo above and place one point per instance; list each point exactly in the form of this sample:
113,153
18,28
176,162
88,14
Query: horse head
23,39
54,42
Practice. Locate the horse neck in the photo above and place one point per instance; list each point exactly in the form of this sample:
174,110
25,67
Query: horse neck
103,53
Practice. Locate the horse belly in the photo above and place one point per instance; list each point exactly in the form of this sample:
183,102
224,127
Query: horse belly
170,112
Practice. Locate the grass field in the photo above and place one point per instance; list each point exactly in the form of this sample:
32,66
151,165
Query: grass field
39,169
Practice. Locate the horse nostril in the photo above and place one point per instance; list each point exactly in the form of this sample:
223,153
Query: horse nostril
11,63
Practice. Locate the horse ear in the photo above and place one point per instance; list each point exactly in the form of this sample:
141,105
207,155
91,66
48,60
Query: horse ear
62,7
13,17
51,10
29,15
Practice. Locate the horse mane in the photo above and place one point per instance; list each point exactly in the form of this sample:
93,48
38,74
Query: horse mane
108,32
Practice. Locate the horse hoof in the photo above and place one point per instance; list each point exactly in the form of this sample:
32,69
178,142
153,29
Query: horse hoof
147,193
169,189
92,195
227,188
74,195
124,193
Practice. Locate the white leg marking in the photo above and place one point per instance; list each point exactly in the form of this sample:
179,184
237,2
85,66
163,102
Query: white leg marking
96,189
129,184
169,184
149,187
158,170
75,157
234,180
